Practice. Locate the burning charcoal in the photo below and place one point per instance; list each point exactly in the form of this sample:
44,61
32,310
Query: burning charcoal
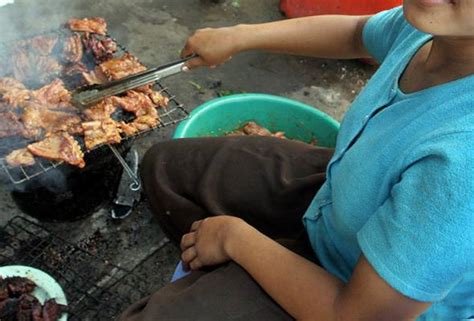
18,286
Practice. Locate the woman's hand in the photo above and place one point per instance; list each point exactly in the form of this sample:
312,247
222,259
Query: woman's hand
206,243
213,46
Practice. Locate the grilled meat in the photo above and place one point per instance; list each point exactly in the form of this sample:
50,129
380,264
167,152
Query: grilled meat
74,69
13,92
59,147
52,310
42,45
118,68
3,289
54,95
134,102
128,129
102,50
159,99
30,67
10,125
94,77
18,286
38,117
20,157
101,111
253,129
92,25
101,132
73,50
8,309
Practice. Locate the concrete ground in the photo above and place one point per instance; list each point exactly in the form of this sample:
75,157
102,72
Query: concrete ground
155,31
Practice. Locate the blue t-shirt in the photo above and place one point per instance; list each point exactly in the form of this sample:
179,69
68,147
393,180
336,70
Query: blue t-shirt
400,187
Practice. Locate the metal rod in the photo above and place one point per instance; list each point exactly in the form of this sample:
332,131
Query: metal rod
136,185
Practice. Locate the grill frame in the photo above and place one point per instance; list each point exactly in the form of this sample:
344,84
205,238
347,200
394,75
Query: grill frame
168,116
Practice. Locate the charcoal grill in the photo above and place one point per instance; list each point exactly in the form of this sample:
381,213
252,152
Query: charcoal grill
96,289
24,180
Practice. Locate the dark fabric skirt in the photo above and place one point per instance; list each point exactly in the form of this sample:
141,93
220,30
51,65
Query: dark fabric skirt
268,182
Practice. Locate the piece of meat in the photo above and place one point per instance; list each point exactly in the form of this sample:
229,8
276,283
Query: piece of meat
30,67
128,129
93,25
101,49
18,286
253,129
20,157
9,308
94,77
37,313
42,45
134,102
13,92
3,289
118,68
74,69
25,308
101,132
53,93
101,111
145,122
10,125
59,147
159,99
52,310
73,50
37,117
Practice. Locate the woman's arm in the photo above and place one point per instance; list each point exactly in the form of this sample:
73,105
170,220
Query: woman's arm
329,36
303,289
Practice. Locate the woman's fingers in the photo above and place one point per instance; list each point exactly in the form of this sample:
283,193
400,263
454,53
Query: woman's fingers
187,241
189,255
195,264
195,62
195,225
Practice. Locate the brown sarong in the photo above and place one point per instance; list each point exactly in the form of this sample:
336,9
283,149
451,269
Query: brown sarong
268,182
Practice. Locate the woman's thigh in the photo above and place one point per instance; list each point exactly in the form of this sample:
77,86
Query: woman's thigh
268,182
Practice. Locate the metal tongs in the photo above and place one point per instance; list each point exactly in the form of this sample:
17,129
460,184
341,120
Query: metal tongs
90,95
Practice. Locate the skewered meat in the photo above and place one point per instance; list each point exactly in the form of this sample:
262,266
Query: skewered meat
145,122
134,102
101,132
100,111
10,125
59,147
118,68
93,25
94,77
37,117
20,157
102,50
13,92
73,50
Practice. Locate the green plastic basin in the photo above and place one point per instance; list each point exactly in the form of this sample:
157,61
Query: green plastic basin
299,121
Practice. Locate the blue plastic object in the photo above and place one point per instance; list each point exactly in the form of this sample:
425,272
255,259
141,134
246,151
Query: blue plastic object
299,121
179,272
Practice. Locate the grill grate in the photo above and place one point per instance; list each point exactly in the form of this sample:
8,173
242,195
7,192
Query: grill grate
95,289
173,114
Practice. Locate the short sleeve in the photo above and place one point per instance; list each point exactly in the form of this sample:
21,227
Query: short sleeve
421,240
381,32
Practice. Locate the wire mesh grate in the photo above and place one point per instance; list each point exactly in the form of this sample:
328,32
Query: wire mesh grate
95,288
168,116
